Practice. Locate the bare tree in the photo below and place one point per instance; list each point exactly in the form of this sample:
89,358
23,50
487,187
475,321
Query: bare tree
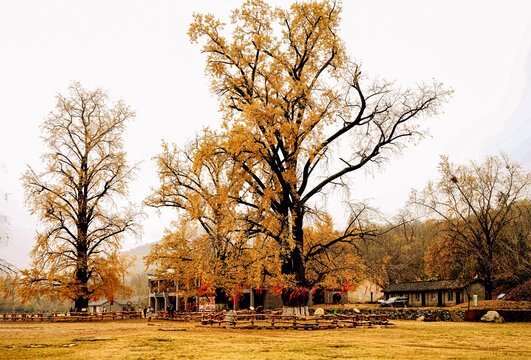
477,203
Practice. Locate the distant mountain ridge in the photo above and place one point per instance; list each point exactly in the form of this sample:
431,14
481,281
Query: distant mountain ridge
139,252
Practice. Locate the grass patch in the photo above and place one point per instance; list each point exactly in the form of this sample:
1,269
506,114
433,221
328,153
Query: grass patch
35,346
162,339
339,346
134,340
94,338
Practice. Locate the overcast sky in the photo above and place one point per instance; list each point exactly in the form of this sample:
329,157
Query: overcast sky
139,51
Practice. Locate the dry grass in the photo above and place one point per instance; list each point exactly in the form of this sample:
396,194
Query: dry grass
136,340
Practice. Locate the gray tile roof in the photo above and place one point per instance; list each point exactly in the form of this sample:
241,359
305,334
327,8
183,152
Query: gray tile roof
105,302
434,285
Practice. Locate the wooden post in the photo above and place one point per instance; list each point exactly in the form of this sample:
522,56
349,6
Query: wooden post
251,297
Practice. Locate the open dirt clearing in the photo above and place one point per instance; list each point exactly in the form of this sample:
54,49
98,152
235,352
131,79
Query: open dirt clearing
136,340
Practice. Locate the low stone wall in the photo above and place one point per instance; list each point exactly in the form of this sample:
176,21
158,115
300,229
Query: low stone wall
507,315
411,314
438,314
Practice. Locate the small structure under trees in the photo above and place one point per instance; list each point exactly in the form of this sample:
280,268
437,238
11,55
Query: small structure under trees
104,305
76,254
437,292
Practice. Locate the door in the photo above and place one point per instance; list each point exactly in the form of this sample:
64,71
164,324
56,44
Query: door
319,296
440,299
259,297
458,297
244,301
423,299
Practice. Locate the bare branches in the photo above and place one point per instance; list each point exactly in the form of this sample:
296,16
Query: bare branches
478,204
7,268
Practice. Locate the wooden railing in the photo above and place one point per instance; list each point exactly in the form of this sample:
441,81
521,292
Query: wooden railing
70,316
242,319
180,316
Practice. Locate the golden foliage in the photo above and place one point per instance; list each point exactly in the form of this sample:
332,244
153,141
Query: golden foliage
208,243
333,266
289,94
76,252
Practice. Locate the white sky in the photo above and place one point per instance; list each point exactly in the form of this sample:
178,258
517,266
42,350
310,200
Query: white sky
139,51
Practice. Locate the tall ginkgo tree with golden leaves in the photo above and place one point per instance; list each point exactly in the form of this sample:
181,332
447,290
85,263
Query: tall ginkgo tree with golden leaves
209,243
300,116
76,254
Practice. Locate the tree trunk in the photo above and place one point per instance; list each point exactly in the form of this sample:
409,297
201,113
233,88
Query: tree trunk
489,287
221,300
487,271
295,301
81,303
81,275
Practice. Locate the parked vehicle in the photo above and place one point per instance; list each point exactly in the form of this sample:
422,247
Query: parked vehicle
397,301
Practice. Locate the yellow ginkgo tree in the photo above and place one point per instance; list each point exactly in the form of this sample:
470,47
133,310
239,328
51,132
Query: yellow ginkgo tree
76,254
209,244
299,114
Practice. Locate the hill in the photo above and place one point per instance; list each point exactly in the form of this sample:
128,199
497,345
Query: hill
138,252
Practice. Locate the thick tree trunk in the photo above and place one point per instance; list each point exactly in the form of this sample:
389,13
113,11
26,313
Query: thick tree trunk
489,287
295,300
292,258
486,274
82,292
292,264
221,299
81,303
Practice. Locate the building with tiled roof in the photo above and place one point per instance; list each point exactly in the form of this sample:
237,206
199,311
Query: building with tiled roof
437,292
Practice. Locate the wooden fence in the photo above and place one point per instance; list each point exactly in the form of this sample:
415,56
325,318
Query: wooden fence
242,319
248,320
70,316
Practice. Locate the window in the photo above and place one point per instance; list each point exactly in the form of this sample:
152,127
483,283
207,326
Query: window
417,297
434,296
451,296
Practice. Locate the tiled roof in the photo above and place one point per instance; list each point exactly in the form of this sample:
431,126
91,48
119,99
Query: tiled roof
434,285
98,303
105,302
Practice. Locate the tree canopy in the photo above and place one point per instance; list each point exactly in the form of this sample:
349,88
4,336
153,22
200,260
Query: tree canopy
299,117
208,243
